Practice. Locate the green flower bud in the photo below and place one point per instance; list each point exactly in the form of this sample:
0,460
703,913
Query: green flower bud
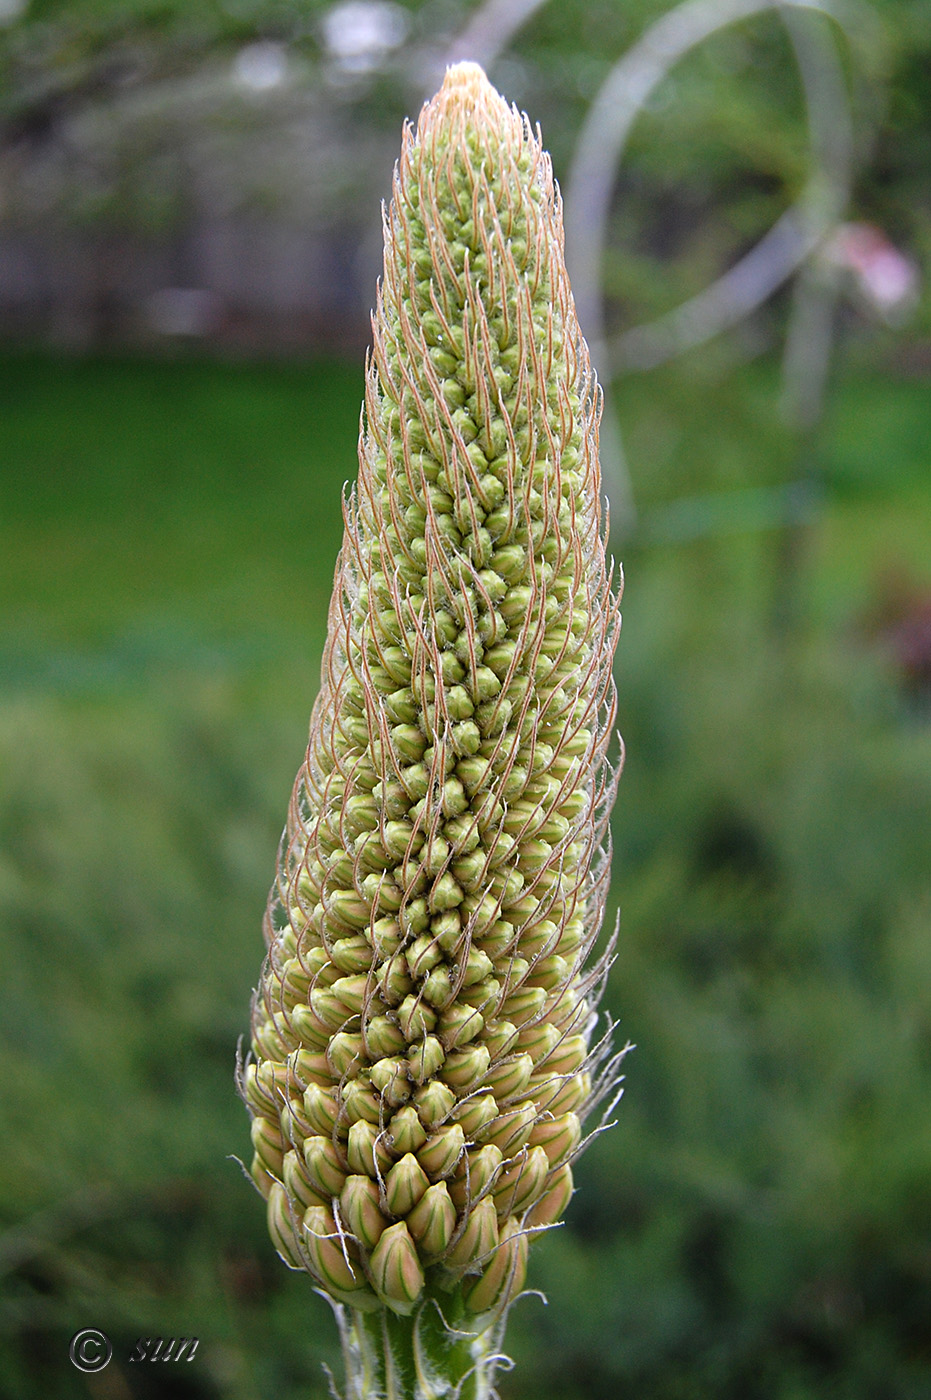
459,1024
257,1096
523,1183
359,1207
503,1275
511,1130
405,1184
475,1173
323,1166
437,988
269,1149
465,1068
479,1236
311,1068
435,1101
538,1041
567,1057
524,1005
352,955
422,955
391,1078
510,1077
442,1151
432,1221
366,1150
345,1053
557,1096
314,1033
425,1059
406,1133
415,1018
327,1262
383,1037
554,1200
476,1112
360,1101
297,1183
559,1137
321,1108
500,1037
282,1228
395,1269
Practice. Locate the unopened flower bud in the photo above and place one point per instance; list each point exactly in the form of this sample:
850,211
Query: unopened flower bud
511,1077
406,1133
476,1112
478,1238
344,1053
327,1261
523,1005
425,1058
476,1172
383,1037
465,1068
297,1183
554,1200
323,1166
559,1096
568,1056
438,988
366,1149
415,1018
405,1183
391,1077
459,1024
282,1228
523,1182
503,1275
511,1130
559,1137
321,1109
433,1220
360,1101
435,1101
395,1269
352,954
313,1032
359,1205
538,1040
442,1151
266,1139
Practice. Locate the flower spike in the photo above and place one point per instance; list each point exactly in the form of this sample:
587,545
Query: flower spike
422,1030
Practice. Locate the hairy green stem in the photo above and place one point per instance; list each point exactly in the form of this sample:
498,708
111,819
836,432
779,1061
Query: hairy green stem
435,1353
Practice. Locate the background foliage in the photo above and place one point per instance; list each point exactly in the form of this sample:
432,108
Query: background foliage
757,1225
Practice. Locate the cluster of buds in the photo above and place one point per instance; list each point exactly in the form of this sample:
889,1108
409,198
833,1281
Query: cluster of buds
422,1054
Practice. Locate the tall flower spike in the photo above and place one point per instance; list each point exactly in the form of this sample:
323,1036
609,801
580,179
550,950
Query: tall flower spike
422,1029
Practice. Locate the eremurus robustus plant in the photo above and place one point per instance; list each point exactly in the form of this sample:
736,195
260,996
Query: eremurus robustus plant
422,1045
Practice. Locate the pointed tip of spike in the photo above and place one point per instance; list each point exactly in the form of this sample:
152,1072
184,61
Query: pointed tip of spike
466,84
468,76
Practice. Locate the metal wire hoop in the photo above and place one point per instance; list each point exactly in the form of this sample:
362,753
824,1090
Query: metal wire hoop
779,254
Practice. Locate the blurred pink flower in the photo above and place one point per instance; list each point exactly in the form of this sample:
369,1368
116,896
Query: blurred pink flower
886,279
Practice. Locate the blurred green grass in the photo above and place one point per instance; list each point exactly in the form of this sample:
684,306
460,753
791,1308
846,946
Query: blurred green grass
757,1224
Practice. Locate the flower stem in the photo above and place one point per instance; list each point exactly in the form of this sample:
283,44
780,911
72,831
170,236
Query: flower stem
437,1352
